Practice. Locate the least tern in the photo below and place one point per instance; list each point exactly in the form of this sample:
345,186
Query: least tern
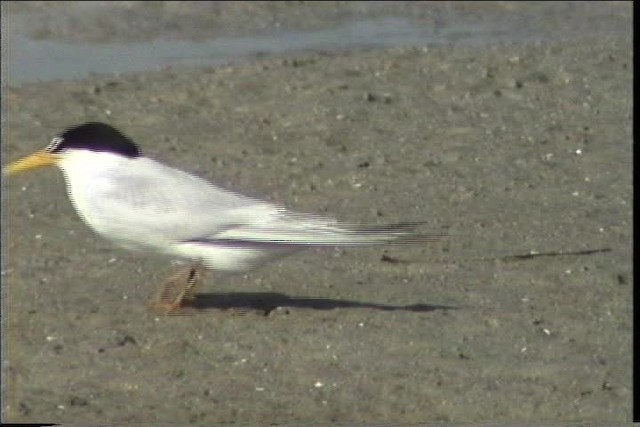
142,204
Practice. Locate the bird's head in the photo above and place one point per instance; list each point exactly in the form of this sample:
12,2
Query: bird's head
92,136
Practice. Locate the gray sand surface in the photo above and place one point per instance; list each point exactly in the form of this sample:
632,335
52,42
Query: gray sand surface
515,147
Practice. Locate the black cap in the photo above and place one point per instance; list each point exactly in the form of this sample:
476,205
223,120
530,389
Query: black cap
94,136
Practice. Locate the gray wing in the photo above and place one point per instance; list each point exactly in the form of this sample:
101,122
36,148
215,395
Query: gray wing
161,203
155,203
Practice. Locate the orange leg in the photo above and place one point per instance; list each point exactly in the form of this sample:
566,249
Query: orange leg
177,288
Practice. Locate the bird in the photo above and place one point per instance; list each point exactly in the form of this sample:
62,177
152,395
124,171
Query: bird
144,205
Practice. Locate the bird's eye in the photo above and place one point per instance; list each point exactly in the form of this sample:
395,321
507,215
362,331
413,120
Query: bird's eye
53,145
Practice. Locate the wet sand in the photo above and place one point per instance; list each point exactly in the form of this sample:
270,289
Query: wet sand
515,148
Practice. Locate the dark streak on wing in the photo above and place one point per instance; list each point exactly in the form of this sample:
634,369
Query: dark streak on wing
400,233
245,244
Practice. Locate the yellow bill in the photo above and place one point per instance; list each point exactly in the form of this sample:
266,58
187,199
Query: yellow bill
36,160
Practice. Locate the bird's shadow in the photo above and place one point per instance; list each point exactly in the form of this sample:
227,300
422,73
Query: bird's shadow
266,302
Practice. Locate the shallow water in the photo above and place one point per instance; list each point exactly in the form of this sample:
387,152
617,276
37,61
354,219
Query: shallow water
32,60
